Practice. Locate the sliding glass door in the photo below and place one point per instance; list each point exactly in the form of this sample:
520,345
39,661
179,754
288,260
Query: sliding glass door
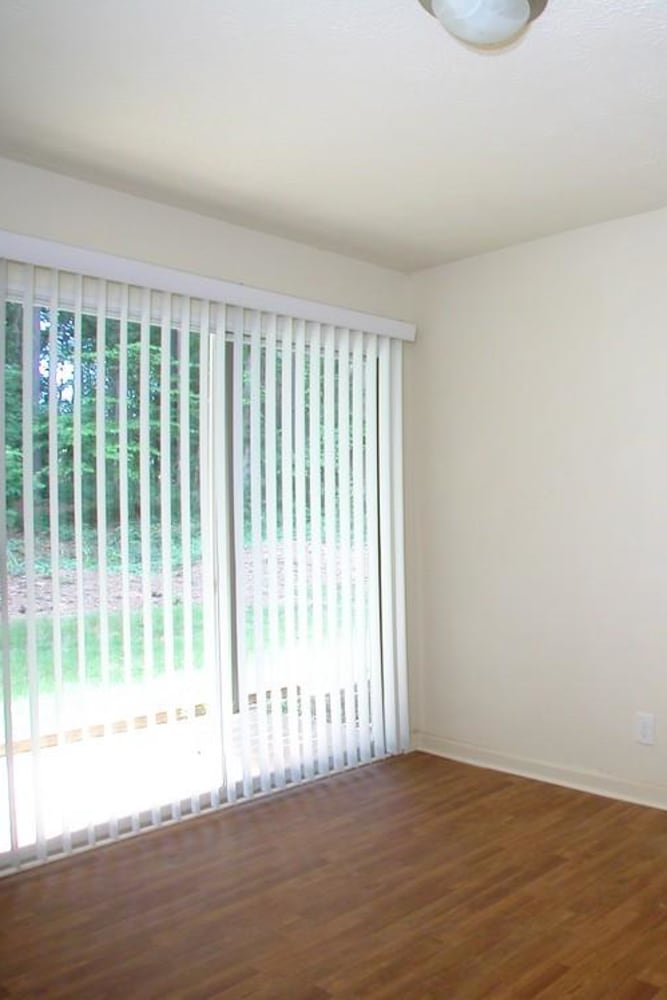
107,689
196,556
303,462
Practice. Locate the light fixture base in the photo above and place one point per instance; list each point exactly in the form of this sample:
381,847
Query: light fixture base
536,8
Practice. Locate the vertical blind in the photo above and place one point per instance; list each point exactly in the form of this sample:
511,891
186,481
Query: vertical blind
201,564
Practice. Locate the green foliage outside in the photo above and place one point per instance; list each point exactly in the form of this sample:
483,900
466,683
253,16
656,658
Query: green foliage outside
98,381
93,664
118,673
90,394
90,552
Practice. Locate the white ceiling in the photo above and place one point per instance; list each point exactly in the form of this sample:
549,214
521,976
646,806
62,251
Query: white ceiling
353,125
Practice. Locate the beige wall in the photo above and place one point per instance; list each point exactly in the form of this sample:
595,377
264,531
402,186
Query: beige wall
537,473
39,203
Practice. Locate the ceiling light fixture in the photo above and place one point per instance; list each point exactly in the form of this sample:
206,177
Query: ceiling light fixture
485,22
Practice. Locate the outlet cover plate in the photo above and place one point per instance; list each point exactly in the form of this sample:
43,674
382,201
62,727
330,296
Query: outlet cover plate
645,728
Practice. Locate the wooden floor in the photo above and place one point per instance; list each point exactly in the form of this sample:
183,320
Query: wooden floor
415,877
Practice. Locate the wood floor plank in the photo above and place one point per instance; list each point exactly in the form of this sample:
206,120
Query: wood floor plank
415,877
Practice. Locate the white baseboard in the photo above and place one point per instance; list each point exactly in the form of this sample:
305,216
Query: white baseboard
585,781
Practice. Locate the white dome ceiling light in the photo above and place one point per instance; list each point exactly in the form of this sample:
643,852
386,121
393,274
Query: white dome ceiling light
484,23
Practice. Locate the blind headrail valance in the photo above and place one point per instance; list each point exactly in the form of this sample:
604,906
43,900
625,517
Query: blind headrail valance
72,261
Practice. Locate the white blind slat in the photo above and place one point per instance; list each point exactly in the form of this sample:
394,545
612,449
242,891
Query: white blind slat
218,400
169,700
145,526
257,549
105,709
288,542
124,517
236,325
345,544
330,549
5,651
83,708
373,634
360,638
31,337
56,781
315,517
386,547
398,549
275,659
184,496
302,659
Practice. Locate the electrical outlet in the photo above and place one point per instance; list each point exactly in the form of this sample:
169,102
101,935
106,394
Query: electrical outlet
645,728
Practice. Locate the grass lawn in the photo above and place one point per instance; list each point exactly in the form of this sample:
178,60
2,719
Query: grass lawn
118,672
18,642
